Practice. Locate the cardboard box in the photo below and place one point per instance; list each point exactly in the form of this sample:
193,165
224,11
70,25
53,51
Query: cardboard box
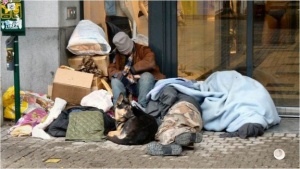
71,85
101,83
101,61
97,84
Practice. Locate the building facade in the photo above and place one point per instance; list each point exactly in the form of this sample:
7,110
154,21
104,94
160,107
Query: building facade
191,39
259,39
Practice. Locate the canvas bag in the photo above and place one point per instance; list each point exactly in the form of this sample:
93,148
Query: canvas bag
85,126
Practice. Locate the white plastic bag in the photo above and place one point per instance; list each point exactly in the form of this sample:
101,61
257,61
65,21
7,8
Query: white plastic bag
100,99
141,39
88,39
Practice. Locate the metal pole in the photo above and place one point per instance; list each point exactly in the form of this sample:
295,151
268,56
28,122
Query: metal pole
17,79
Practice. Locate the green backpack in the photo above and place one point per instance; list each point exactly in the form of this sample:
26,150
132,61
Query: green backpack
85,126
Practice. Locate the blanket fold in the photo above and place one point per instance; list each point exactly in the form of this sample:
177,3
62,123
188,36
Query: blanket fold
228,100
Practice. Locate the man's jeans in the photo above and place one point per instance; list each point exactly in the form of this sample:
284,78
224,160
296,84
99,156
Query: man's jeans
144,85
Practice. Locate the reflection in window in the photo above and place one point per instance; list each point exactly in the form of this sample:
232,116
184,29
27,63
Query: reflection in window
213,38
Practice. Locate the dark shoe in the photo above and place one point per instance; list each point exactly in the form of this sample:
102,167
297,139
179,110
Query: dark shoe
187,138
156,149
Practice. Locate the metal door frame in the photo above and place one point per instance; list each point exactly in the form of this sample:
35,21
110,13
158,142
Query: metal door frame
162,26
163,41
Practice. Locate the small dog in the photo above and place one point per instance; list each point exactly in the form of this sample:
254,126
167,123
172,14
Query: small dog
134,127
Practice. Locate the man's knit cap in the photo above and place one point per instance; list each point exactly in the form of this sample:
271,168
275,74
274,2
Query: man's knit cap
123,43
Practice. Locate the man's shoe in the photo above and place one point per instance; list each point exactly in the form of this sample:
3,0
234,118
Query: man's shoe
187,138
156,149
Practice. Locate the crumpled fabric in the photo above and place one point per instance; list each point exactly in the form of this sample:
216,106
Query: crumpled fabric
31,119
89,65
24,130
182,117
228,100
110,8
100,99
167,98
246,130
38,130
58,127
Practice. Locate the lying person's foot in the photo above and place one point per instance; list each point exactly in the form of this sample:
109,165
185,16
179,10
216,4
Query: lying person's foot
187,138
156,149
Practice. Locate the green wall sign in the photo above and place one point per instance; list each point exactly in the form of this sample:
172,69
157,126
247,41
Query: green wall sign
12,17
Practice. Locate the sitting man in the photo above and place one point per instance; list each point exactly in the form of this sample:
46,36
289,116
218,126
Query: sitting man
133,69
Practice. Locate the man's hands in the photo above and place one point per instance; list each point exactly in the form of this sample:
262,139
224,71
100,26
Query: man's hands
130,78
137,76
133,78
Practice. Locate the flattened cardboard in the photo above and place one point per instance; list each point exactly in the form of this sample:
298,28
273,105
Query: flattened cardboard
97,84
101,61
71,86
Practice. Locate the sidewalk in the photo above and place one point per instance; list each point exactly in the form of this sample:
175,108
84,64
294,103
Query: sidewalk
212,152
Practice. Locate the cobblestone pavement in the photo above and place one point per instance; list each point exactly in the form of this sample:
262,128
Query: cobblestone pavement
212,152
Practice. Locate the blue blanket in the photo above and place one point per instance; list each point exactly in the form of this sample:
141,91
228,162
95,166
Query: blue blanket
227,99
